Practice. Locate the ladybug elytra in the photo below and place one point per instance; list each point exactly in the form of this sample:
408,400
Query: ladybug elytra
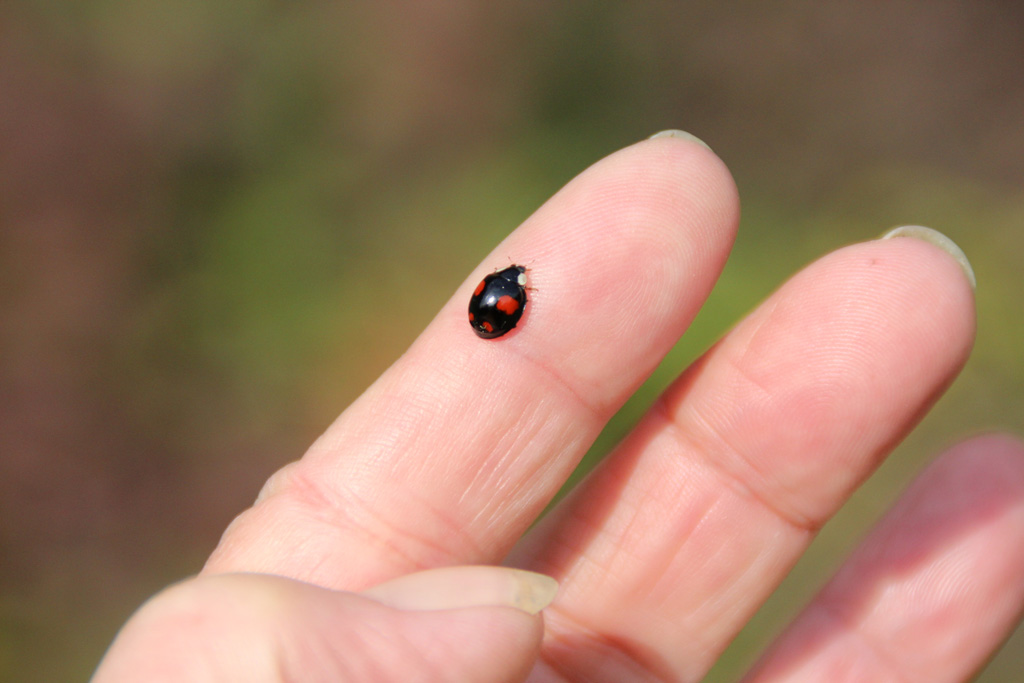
498,302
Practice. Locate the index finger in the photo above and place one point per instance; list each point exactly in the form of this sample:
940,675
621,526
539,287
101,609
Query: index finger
451,454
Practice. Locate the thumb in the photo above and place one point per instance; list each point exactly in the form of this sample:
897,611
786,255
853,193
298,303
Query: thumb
459,624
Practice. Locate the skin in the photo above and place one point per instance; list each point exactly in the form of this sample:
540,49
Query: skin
672,543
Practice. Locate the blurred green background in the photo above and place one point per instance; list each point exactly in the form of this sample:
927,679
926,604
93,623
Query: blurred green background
207,209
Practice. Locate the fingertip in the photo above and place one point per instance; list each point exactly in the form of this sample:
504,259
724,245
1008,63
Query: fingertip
680,149
261,627
988,468
475,644
938,239
967,503
998,447
677,134
935,265
914,279
467,586
935,587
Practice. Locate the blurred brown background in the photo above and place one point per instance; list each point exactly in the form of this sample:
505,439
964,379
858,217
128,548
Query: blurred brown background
208,210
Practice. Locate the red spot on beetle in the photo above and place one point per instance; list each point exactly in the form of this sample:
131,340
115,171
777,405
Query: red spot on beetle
507,305
479,288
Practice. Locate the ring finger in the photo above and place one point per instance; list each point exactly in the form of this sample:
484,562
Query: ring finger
668,548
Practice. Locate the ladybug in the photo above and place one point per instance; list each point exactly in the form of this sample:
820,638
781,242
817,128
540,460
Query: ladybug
498,302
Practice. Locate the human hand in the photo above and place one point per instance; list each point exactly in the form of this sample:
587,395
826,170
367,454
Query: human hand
672,543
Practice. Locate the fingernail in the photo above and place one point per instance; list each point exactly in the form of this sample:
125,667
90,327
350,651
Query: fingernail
938,239
459,587
682,135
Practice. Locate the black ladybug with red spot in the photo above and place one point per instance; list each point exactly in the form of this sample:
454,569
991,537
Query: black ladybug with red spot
498,302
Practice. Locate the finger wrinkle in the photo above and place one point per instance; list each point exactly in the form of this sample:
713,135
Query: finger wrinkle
345,513
348,516
713,448
597,410
571,650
